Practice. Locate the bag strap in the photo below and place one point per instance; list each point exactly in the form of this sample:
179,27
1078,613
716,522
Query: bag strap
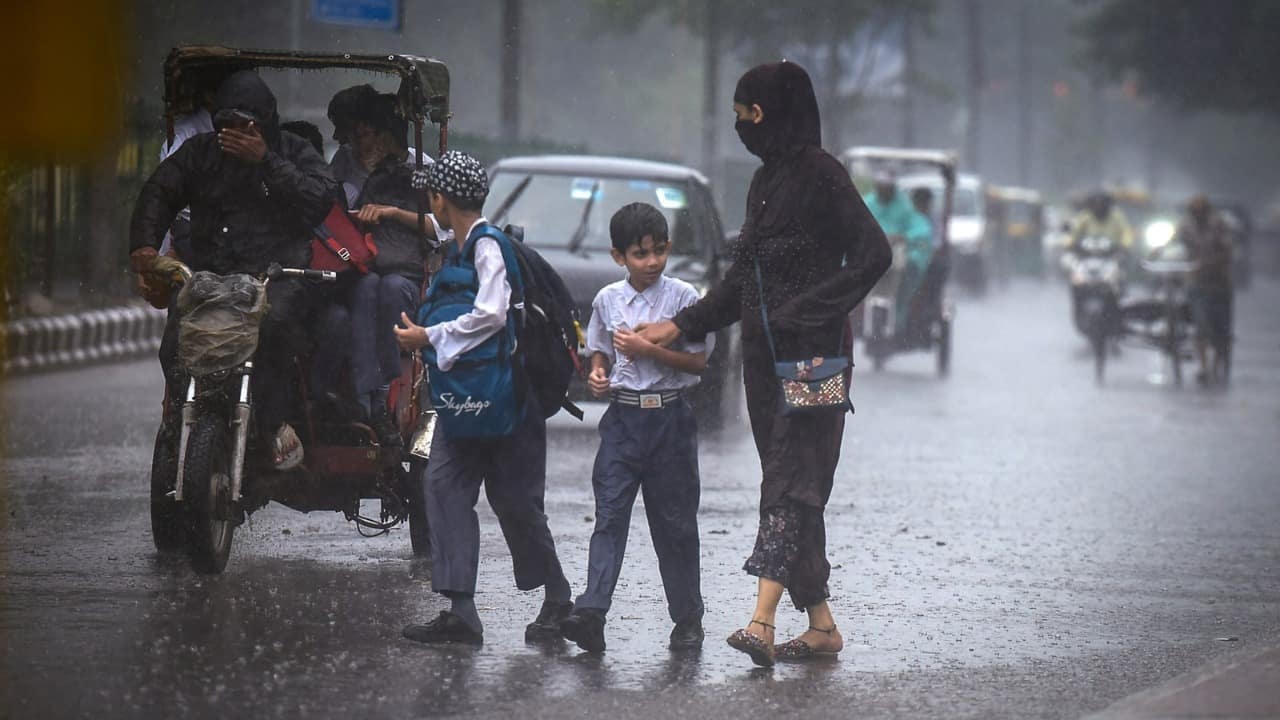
764,317
764,312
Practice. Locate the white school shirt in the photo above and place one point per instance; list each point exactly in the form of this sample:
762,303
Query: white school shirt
455,337
621,305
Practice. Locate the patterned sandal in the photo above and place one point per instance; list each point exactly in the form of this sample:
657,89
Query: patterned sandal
797,649
761,652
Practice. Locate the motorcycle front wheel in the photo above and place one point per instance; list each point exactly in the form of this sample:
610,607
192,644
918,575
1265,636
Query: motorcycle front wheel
206,490
168,531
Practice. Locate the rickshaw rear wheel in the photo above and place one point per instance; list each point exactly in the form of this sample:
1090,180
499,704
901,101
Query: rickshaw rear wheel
944,347
168,531
416,495
206,489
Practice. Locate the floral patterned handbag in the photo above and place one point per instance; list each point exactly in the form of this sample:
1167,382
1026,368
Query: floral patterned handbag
813,385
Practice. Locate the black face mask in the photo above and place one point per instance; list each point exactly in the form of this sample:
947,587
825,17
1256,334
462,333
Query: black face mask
753,137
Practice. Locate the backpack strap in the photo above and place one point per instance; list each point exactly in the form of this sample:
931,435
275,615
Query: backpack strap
509,259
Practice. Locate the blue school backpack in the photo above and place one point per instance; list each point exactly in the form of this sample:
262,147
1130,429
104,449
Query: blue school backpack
479,396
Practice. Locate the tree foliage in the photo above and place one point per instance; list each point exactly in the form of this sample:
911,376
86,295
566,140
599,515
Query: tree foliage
1196,54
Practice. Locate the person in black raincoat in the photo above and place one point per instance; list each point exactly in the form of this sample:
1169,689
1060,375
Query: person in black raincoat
255,193
820,252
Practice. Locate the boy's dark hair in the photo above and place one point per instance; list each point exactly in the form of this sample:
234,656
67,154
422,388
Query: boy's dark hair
465,204
632,222
307,131
921,195
383,115
345,107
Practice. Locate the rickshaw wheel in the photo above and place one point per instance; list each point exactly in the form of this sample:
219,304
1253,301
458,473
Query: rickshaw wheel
206,486
415,494
944,347
167,529
1099,343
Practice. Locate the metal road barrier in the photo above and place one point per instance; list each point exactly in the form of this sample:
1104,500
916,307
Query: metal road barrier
95,336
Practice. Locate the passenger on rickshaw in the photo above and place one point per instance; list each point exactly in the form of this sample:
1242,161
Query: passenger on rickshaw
911,235
387,205
344,112
254,192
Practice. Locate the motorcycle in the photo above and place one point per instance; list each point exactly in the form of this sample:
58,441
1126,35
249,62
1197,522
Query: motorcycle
207,479
1097,280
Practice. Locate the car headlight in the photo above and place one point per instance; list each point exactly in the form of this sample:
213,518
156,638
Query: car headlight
1158,233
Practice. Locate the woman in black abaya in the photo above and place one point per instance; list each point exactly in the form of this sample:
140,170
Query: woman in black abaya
820,251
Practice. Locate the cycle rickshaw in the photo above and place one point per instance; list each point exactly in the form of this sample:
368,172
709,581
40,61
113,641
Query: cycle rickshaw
929,314
206,476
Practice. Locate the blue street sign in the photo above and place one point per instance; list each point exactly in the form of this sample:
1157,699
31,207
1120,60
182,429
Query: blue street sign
373,14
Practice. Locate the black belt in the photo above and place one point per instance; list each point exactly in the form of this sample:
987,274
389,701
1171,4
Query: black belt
648,400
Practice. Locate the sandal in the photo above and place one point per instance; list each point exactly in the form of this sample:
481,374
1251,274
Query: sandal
797,649
286,449
761,652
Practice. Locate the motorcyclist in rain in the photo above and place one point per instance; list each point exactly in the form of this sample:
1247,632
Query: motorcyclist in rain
255,193
1101,217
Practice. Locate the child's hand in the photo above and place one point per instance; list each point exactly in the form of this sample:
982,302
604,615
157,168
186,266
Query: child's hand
410,337
631,343
598,382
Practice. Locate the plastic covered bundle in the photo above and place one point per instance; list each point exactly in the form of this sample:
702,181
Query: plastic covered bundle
220,317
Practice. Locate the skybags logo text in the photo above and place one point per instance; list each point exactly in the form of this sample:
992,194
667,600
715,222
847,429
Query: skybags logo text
474,407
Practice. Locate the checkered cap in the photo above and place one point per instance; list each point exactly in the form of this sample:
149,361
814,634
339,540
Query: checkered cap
455,175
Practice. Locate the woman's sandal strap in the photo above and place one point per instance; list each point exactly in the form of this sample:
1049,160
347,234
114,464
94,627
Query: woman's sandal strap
762,624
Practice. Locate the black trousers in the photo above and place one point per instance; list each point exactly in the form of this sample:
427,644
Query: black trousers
655,452
513,471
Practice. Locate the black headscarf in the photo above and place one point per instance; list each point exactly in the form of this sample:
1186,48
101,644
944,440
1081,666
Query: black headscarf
789,141
785,94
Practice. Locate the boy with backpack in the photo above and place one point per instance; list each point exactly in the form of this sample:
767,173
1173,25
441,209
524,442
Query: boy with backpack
648,436
491,429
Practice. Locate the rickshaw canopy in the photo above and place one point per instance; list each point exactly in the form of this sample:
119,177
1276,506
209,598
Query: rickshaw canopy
424,82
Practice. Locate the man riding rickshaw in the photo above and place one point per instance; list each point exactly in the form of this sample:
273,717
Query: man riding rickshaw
238,413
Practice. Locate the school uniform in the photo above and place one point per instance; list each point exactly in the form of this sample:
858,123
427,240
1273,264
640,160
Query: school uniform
511,468
649,445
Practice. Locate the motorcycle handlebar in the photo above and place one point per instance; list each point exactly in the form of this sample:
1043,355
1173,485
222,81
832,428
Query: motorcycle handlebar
275,272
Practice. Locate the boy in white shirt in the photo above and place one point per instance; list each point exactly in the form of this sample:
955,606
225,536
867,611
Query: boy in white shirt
512,468
648,436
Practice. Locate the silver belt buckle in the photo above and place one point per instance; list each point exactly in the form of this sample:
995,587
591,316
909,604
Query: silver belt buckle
650,401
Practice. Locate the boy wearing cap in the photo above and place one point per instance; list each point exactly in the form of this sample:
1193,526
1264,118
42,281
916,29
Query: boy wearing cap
648,436
512,468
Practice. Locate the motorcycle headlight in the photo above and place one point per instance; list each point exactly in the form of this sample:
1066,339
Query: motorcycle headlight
1158,233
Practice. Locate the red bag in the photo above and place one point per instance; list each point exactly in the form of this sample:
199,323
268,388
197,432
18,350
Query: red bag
338,245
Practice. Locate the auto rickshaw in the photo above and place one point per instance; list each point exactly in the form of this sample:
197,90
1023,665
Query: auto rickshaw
1017,222
206,478
928,313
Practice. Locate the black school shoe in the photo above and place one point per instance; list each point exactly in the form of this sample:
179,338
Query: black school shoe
446,628
585,627
546,627
687,635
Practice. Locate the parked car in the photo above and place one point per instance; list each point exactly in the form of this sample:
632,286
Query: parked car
564,203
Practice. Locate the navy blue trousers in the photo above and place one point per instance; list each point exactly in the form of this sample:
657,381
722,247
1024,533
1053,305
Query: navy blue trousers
655,452
376,304
513,471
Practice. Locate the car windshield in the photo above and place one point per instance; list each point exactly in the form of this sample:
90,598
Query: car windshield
550,207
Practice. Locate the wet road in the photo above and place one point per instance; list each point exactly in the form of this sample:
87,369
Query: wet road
1010,542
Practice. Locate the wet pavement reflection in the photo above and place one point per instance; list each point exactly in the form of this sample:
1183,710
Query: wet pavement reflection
1012,541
